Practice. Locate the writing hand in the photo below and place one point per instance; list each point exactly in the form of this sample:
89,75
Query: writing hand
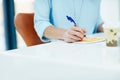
74,34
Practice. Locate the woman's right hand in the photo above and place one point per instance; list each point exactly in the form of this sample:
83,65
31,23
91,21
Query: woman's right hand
74,34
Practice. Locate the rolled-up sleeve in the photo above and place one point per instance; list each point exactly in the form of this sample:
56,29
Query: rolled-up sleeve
41,17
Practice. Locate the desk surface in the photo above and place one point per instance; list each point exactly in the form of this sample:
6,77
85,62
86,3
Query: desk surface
58,60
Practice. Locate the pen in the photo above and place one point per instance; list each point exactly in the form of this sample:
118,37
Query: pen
73,21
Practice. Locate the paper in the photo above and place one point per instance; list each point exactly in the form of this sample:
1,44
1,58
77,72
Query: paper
91,40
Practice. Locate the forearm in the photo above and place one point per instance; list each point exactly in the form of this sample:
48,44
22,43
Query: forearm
54,33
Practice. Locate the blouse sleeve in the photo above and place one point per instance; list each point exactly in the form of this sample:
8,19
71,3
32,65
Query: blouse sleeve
41,17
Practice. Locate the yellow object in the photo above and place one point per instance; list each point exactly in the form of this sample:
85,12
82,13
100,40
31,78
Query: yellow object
91,39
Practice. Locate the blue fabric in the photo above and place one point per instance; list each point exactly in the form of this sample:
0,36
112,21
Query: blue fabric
86,14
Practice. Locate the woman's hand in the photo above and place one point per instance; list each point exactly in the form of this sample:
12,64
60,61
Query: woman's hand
74,34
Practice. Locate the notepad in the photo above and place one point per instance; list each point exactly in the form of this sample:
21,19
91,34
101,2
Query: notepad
91,40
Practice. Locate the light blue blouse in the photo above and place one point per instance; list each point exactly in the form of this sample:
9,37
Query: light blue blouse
86,14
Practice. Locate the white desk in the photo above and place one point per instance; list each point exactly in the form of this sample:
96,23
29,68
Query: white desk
61,61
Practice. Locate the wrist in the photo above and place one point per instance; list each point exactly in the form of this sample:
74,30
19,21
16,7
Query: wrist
63,33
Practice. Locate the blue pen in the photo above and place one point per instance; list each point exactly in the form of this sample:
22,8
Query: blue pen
71,20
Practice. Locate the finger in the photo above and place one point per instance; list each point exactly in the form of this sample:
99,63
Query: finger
84,30
76,38
78,29
75,33
69,40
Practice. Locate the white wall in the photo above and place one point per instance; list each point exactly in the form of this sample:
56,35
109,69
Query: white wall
110,10
24,6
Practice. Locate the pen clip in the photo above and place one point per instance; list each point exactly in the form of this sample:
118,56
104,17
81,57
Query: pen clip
71,20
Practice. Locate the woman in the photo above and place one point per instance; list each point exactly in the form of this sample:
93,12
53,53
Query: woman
51,22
